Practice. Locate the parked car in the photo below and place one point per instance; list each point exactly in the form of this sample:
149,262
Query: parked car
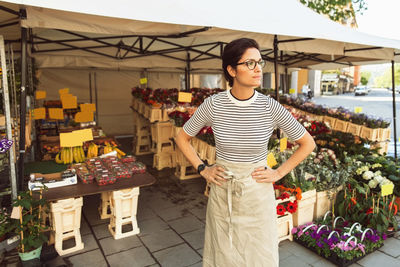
360,90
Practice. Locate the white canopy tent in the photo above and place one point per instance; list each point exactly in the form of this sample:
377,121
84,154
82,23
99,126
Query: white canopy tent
180,35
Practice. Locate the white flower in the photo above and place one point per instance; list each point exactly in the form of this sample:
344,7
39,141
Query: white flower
385,181
379,178
368,175
373,183
377,173
376,165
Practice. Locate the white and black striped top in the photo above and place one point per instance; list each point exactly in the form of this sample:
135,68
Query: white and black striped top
242,128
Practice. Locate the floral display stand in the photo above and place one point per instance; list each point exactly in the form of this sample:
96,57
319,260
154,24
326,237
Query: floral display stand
305,210
285,222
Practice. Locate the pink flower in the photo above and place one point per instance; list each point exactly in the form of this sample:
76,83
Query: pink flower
294,230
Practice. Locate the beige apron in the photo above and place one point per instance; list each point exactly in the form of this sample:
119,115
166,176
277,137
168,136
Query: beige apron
241,228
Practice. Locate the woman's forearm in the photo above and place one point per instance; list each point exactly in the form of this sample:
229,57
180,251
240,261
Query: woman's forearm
183,142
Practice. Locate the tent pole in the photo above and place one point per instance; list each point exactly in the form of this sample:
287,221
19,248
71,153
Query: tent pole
276,70
286,81
394,112
95,96
7,113
90,87
22,110
188,71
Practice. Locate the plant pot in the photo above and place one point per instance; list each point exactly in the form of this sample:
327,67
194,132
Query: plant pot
305,208
34,254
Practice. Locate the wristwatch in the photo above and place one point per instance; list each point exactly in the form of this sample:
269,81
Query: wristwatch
201,168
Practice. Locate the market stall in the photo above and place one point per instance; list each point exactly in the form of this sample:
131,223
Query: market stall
83,36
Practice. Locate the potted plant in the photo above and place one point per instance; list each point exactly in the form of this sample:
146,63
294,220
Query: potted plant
29,225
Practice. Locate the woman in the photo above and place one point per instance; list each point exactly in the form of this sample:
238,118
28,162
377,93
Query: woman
241,227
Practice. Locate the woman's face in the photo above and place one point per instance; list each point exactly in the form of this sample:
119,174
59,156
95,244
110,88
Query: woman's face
245,77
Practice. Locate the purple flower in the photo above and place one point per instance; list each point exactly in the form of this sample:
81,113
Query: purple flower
384,236
294,230
320,244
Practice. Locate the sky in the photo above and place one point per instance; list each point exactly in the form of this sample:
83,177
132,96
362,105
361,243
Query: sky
381,18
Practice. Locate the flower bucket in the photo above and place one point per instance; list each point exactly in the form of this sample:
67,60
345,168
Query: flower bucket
34,254
305,208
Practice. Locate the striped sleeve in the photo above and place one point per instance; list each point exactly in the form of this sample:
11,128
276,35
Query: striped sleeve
202,117
285,121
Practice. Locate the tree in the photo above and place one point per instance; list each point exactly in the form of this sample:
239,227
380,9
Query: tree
337,10
365,76
386,79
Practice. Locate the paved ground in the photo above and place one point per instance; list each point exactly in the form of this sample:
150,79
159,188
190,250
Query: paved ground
171,217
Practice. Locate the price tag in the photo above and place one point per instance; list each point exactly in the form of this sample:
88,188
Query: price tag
40,94
69,101
358,109
143,80
292,91
89,107
16,212
271,161
56,113
84,135
184,97
63,91
387,189
39,113
84,116
283,144
70,140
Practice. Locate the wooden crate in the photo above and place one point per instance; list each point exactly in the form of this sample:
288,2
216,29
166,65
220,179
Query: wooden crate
305,208
354,129
382,147
153,114
164,160
142,145
384,134
369,133
330,121
341,126
285,225
184,170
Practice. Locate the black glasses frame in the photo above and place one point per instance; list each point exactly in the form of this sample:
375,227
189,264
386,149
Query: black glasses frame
261,62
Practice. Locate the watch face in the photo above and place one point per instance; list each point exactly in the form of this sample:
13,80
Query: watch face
200,168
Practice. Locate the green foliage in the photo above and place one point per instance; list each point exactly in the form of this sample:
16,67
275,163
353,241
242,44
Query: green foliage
337,10
386,79
31,225
365,76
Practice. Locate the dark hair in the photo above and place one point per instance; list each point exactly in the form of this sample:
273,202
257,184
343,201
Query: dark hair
233,52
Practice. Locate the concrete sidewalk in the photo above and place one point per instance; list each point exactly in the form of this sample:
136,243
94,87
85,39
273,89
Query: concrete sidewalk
171,216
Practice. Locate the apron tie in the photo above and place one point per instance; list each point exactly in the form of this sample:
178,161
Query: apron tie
234,186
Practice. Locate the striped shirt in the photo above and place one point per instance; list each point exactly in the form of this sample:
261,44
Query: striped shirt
242,128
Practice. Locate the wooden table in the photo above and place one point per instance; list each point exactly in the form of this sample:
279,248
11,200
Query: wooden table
81,189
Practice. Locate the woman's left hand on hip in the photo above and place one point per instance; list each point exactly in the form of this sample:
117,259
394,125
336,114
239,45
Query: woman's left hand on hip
265,175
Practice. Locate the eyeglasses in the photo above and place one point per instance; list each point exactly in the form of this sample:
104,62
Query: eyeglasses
251,63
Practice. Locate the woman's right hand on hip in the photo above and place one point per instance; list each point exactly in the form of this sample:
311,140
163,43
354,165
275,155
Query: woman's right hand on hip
214,174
